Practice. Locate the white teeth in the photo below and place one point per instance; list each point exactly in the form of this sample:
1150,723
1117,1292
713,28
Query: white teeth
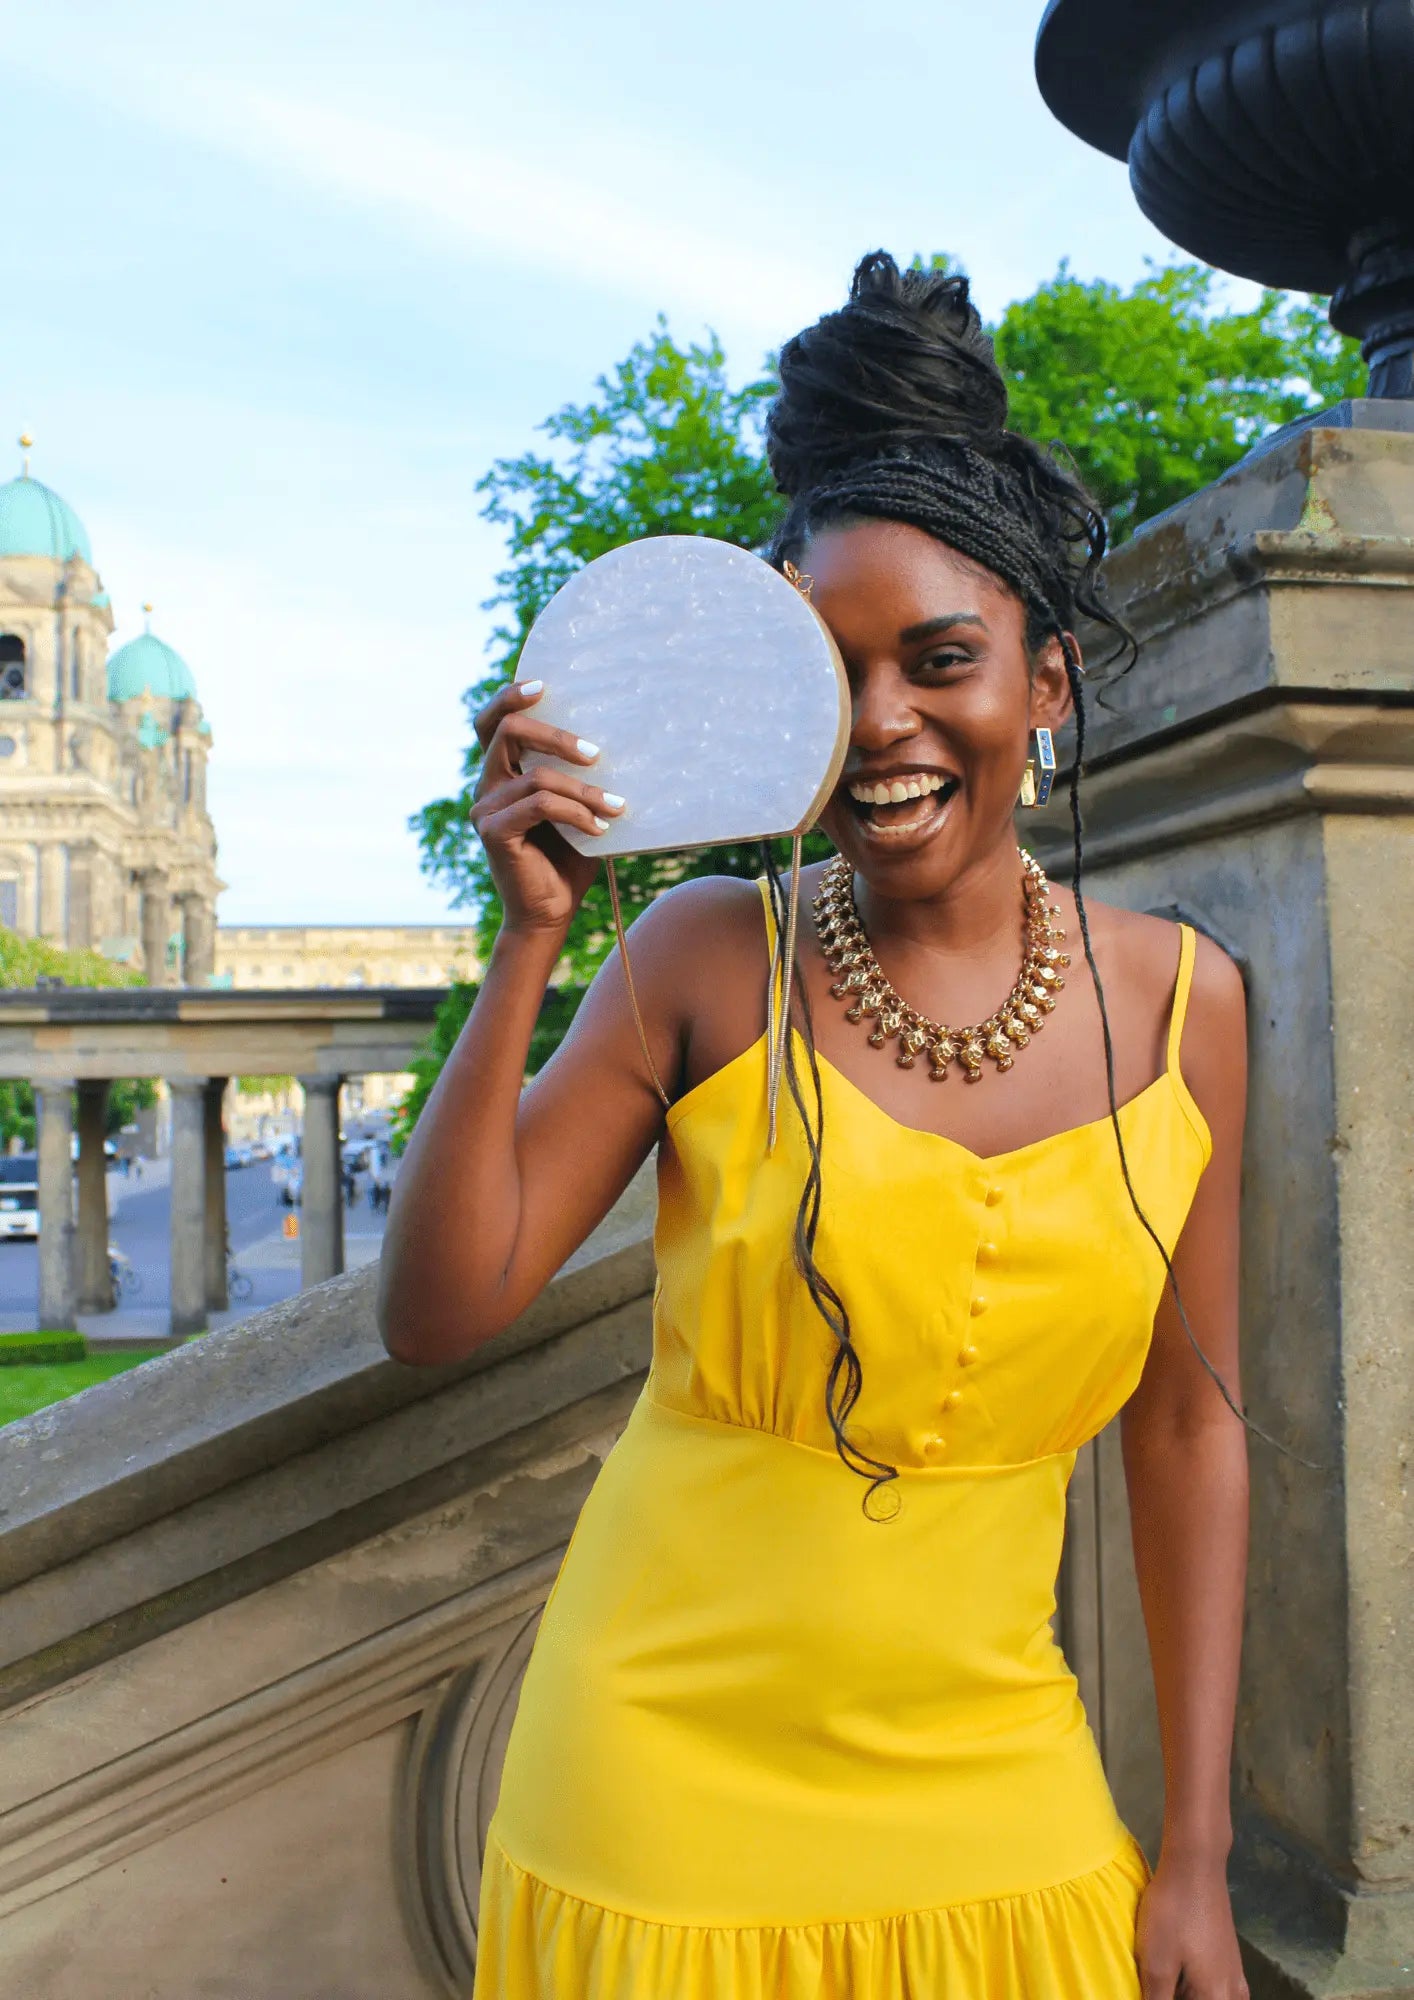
899,789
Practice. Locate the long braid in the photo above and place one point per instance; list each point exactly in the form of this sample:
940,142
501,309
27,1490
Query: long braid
1078,854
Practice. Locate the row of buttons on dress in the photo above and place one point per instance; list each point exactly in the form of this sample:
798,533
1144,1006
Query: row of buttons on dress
935,1444
884,1502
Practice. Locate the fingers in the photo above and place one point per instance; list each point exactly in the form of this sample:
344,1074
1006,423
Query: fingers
549,790
514,736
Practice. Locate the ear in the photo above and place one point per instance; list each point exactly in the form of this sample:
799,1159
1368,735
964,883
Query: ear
1051,702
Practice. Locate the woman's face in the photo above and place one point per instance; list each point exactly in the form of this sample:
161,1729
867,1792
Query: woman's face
944,697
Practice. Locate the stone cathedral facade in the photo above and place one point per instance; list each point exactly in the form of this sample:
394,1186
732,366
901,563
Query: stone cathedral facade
105,839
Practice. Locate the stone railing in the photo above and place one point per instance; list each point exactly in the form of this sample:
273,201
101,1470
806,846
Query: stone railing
264,1603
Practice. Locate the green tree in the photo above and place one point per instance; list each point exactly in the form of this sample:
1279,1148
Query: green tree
1154,391
24,961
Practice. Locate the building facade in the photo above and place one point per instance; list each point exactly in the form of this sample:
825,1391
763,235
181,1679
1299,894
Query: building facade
105,839
249,955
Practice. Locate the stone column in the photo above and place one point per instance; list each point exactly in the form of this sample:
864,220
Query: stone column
95,1280
188,1255
198,941
81,926
215,1151
53,1103
156,925
1255,775
322,1199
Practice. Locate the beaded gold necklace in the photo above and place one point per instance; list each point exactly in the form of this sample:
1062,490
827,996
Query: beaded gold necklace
859,980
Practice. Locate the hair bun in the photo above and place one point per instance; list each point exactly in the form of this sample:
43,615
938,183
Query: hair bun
904,364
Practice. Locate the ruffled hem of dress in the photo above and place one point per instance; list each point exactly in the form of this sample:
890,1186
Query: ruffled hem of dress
1073,1940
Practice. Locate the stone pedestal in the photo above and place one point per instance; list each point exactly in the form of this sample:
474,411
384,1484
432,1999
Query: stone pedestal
53,1103
322,1198
188,1255
214,1141
1255,774
95,1279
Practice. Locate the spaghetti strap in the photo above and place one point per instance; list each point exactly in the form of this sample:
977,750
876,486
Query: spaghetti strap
1187,949
773,980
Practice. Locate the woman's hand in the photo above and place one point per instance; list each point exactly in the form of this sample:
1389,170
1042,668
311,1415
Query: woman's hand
518,804
1186,1942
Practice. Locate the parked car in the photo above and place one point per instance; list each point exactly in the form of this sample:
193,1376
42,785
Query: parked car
19,1194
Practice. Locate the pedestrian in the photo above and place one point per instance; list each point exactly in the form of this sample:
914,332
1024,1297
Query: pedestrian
795,1722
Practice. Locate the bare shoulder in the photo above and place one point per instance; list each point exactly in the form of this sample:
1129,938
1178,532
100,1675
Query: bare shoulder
1144,951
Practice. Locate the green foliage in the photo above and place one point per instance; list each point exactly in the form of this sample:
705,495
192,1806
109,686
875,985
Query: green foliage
17,1120
557,1010
126,1097
667,447
23,960
263,1086
1156,391
20,1350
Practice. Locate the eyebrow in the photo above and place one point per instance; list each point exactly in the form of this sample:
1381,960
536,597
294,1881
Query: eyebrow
931,627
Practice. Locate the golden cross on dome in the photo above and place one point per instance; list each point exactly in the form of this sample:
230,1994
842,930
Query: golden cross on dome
25,442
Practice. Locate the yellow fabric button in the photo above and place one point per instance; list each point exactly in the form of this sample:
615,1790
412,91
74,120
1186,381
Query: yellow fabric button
987,1253
978,1306
882,1503
952,1399
967,1355
992,1196
935,1444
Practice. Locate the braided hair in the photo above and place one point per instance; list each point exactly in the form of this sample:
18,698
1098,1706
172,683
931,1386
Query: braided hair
894,409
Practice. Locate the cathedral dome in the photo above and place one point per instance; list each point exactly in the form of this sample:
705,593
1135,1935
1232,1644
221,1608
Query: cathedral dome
36,522
147,666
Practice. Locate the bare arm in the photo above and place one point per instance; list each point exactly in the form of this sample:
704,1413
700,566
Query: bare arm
497,1188
1185,1457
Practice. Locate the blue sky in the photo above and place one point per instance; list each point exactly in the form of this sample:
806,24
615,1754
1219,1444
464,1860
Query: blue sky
284,279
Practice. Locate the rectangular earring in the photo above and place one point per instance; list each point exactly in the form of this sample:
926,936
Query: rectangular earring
1040,773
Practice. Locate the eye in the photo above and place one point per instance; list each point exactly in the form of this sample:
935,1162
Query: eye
939,663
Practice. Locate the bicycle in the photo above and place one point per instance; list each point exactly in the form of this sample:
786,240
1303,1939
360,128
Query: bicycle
127,1282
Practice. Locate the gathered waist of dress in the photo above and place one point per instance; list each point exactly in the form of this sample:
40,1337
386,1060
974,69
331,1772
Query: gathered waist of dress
729,1605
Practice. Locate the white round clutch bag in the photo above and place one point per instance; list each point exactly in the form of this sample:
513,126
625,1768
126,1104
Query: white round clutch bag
714,691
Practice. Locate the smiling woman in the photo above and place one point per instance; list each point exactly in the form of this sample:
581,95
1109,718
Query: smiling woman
795,1726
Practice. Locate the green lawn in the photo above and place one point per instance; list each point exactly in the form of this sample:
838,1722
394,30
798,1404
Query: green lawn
23,1390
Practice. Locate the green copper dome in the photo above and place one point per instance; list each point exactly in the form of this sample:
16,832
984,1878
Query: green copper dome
36,522
147,666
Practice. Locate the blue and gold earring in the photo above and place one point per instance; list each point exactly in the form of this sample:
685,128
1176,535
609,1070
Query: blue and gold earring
1040,772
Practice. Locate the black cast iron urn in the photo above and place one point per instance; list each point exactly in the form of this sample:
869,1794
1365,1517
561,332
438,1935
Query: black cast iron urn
1273,138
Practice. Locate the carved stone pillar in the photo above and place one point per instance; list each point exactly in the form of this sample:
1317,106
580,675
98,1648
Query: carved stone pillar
81,929
156,924
198,941
215,1151
53,1103
188,1253
1254,774
322,1196
95,1279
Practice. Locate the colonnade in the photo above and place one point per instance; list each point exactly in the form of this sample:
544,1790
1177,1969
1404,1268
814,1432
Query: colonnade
74,1273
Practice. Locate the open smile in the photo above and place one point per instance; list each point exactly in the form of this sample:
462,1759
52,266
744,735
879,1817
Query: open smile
903,805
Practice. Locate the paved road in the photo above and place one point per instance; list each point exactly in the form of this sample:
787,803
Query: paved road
140,1228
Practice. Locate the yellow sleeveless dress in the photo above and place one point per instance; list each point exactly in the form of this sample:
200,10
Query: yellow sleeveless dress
768,1748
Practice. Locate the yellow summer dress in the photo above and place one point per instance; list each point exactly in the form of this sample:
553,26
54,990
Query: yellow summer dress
768,1748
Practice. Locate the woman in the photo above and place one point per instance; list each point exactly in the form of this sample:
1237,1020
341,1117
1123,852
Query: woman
795,1724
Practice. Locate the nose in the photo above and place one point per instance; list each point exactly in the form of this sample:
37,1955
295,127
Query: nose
883,714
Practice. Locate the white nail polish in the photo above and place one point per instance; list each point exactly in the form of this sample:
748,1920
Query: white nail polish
530,687
602,824
586,749
613,801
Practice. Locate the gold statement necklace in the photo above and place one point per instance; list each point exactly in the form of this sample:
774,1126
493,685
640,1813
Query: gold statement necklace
859,980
